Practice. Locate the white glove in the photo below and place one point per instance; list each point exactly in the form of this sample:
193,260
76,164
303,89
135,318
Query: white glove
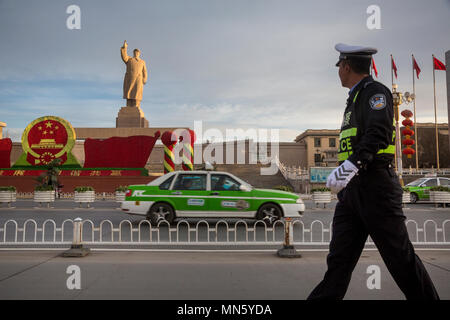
341,176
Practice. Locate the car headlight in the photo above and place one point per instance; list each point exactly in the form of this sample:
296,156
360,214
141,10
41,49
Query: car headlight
299,201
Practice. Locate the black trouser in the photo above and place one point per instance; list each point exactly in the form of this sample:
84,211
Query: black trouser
371,205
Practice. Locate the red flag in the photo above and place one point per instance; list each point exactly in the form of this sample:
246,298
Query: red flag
374,67
416,67
438,65
394,67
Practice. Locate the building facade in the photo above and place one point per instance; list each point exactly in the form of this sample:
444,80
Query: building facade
426,147
321,147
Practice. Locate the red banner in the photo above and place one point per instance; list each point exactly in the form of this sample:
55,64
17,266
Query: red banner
5,152
374,67
119,152
438,65
416,67
74,173
394,66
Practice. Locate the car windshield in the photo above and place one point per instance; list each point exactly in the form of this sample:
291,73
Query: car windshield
161,179
415,183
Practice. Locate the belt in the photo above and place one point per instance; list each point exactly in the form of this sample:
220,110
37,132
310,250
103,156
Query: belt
377,165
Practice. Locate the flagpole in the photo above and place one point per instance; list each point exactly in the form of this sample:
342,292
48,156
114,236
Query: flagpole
435,117
371,66
415,127
396,119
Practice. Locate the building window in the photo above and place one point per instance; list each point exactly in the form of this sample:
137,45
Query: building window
317,158
316,142
332,142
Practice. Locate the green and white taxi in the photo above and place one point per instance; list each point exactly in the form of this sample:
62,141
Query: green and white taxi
208,194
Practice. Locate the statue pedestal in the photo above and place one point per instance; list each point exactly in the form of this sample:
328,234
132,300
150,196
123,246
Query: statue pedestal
131,117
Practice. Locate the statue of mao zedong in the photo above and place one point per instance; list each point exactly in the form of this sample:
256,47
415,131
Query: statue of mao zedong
135,76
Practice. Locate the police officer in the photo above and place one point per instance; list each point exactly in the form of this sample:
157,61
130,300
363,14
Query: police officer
368,189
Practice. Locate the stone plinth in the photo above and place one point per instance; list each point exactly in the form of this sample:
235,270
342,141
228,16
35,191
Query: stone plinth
131,117
105,133
2,125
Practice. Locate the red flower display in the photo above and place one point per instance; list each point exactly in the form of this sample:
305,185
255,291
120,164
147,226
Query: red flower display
5,152
119,152
169,138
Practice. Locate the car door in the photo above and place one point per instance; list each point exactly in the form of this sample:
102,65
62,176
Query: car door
227,200
426,186
189,195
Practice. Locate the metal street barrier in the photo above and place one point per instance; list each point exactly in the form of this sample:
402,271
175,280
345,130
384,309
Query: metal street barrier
222,233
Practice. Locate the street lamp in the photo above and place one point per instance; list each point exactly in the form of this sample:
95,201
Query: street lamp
398,99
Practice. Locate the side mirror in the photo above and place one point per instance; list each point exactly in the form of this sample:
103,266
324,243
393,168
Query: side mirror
244,187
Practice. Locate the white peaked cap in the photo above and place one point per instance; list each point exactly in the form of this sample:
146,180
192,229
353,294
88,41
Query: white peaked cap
345,48
346,51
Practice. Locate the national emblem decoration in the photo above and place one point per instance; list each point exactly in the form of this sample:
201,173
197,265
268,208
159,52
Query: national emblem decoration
48,138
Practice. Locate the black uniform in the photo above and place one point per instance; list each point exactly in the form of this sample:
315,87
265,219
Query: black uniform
371,203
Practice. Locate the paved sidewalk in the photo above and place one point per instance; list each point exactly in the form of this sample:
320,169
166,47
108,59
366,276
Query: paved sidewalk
194,275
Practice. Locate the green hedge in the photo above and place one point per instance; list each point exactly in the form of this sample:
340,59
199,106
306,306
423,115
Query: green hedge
283,188
84,189
440,188
7,188
122,189
324,189
43,188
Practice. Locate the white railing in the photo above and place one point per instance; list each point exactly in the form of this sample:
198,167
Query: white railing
222,233
424,171
291,172
69,195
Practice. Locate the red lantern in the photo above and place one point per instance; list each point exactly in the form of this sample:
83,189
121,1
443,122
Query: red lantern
407,123
407,113
409,152
407,132
408,142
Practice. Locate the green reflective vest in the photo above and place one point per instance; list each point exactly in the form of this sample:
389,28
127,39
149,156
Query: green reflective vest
349,132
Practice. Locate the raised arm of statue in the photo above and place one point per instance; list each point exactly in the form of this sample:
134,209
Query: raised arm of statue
144,73
123,52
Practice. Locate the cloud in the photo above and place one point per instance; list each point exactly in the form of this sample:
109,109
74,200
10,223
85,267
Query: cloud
237,63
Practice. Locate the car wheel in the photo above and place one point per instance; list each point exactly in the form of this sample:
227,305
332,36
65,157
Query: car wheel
269,213
414,197
160,212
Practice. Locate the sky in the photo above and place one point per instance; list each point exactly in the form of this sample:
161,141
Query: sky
228,63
